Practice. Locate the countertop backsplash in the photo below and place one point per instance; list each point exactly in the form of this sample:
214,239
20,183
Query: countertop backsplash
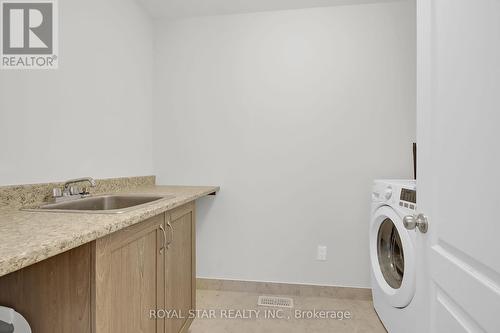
34,194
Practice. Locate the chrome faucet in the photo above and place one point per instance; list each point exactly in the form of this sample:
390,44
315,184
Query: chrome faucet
79,180
72,192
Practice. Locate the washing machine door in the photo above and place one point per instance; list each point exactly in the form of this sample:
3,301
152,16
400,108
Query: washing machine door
392,256
12,322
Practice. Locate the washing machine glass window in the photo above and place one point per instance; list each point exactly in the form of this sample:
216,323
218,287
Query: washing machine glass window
390,254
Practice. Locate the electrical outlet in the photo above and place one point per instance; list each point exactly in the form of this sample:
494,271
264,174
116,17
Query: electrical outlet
321,254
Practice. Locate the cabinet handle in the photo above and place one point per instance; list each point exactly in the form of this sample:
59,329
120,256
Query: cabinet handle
171,233
164,239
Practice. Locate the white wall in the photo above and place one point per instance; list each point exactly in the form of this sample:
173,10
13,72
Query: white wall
293,113
92,116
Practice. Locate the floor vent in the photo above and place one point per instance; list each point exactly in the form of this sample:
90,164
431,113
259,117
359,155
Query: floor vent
280,302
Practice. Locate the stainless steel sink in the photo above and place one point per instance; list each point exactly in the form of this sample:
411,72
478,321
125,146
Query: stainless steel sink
104,204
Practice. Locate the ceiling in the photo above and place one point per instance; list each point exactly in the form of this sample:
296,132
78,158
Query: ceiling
172,9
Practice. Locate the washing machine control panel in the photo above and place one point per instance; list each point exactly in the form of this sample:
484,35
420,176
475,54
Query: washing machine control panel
388,193
397,194
408,195
408,198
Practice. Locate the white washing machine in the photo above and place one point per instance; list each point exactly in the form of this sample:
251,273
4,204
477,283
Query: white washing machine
12,322
392,254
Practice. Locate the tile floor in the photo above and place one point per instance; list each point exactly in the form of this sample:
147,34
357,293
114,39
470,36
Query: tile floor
364,318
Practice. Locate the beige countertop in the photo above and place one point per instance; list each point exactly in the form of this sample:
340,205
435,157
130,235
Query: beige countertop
30,237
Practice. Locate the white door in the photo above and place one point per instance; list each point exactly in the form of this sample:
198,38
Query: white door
459,164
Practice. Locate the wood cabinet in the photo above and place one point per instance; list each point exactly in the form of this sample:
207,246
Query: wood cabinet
129,279
54,294
112,284
180,268
149,266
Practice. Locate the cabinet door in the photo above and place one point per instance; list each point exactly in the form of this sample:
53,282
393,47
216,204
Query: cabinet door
130,279
180,267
